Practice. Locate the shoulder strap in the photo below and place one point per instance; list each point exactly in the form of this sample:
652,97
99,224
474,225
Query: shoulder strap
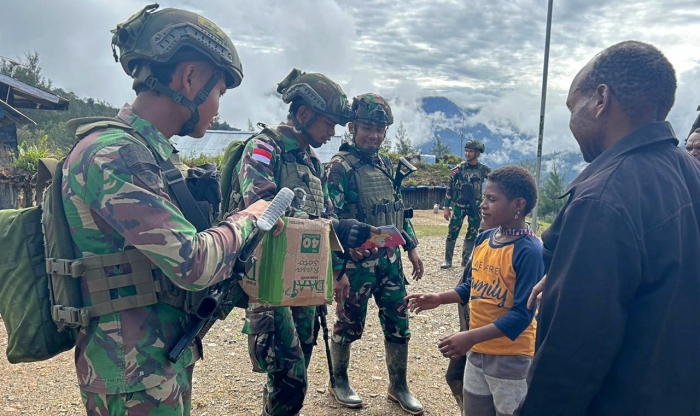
86,125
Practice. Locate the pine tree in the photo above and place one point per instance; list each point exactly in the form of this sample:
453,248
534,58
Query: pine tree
250,126
439,148
403,142
347,137
553,187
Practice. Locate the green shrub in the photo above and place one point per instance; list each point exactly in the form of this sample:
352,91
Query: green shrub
28,155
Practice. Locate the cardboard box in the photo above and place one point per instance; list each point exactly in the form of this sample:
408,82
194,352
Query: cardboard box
294,268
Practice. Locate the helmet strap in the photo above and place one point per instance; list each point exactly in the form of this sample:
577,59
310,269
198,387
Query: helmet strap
304,128
145,75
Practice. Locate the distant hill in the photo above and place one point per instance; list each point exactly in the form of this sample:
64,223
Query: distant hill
497,153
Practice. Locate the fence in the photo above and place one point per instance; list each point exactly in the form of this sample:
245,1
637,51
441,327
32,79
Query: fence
423,197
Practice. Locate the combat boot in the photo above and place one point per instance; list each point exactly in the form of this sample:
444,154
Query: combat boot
396,363
449,251
343,392
457,386
467,249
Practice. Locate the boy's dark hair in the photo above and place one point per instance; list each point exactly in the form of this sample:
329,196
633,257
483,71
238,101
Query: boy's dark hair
640,77
516,182
691,133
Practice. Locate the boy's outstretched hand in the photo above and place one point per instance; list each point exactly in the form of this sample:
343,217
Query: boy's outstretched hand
418,302
456,345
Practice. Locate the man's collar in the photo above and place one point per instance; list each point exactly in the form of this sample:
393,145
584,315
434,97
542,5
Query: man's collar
145,128
646,135
288,140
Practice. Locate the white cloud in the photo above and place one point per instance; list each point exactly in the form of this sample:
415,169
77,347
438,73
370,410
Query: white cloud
484,55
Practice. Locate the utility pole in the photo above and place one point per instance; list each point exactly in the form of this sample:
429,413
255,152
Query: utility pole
542,105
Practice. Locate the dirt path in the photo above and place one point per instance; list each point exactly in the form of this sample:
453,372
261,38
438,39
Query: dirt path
225,385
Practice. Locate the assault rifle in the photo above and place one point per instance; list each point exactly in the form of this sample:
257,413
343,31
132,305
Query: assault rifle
403,170
220,298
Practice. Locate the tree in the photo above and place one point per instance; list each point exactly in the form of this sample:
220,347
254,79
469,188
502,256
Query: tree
250,126
403,142
554,186
27,70
347,137
217,124
439,148
386,146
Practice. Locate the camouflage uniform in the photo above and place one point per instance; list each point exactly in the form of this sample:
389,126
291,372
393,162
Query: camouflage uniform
281,340
380,276
465,174
112,206
361,186
115,201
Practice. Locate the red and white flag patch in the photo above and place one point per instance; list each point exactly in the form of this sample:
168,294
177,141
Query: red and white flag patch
262,156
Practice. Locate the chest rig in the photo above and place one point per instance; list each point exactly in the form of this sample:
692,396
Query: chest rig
297,171
377,202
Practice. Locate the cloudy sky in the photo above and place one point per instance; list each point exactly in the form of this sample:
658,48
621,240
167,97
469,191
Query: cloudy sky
485,55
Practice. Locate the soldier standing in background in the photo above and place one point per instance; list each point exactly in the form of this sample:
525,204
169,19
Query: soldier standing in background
462,200
360,185
121,212
281,339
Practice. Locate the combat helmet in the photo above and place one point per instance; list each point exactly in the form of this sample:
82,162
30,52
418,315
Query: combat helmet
317,91
372,109
170,36
476,145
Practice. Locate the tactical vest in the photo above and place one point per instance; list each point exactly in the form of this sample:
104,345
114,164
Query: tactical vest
68,307
377,202
471,177
292,174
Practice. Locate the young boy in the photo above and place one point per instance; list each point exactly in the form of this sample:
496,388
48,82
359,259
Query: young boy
506,264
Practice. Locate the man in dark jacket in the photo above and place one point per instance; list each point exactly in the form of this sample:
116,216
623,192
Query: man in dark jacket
618,327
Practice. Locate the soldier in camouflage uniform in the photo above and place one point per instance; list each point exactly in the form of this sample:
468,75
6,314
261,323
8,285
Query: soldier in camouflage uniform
462,201
119,209
360,185
281,340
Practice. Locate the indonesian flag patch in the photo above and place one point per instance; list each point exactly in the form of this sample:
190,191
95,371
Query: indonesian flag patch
262,155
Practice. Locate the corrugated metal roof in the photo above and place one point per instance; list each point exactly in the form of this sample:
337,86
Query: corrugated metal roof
214,143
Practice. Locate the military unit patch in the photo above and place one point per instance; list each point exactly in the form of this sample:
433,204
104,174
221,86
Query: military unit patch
263,144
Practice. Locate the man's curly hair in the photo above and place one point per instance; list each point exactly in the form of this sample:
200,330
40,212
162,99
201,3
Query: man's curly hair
516,182
639,76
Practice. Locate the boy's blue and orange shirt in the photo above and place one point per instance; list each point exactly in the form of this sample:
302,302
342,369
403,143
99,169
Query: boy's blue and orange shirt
501,277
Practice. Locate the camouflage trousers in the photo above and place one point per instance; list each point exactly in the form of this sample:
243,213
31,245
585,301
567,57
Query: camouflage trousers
455,369
171,398
280,343
386,282
459,213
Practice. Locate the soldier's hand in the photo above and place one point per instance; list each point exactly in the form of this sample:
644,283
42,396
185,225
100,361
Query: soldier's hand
341,290
257,208
446,213
418,302
357,255
352,233
536,294
417,264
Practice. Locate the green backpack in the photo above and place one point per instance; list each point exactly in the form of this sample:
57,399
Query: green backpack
231,196
25,298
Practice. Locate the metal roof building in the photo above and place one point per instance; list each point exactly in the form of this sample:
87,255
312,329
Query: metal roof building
215,142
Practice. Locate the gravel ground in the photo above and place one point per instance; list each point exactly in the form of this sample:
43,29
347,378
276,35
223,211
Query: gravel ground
225,385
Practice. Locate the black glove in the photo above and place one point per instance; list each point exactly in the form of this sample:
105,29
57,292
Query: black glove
351,233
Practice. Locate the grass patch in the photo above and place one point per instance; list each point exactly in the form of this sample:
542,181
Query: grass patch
430,230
